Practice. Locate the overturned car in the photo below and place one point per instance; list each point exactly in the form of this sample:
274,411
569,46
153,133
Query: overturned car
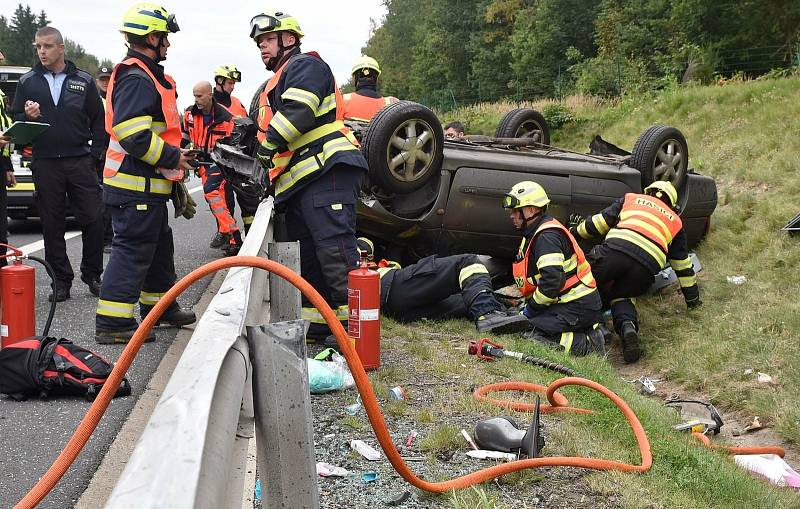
428,195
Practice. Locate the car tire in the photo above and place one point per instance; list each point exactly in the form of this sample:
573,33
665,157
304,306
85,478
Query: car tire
524,123
403,147
661,153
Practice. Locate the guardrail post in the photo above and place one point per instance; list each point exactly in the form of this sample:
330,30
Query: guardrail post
284,299
284,434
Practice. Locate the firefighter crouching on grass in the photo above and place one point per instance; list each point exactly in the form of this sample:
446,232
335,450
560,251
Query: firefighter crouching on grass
642,232
203,125
440,288
143,122
313,161
366,101
562,302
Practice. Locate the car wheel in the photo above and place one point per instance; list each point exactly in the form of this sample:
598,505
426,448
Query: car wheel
403,146
661,153
524,123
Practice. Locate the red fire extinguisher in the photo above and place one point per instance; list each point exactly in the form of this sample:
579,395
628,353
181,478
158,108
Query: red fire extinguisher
363,322
17,306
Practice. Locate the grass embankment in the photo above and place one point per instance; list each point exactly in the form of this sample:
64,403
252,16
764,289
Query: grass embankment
745,136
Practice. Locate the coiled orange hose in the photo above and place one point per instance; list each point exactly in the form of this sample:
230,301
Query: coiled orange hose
98,407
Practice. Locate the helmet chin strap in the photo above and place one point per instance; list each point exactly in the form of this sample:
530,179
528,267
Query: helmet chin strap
527,220
161,37
274,62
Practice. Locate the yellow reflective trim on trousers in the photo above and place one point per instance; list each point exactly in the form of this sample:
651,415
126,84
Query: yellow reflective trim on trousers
248,219
550,259
139,184
600,224
154,151
680,264
285,128
641,217
566,340
342,312
542,299
150,298
688,281
297,94
115,309
576,293
132,126
640,241
469,271
310,165
328,104
311,314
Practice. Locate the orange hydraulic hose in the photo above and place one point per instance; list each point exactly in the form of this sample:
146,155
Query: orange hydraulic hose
98,407
739,450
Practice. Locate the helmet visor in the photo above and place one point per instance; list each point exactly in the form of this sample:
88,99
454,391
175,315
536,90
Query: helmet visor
235,75
263,23
172,24
510,202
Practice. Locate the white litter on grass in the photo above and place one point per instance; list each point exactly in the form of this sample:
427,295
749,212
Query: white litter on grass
770,466
491,455
328,470
365,450
737,280
764,378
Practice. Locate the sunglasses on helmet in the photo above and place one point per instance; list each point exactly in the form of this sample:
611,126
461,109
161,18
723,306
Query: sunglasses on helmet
263,23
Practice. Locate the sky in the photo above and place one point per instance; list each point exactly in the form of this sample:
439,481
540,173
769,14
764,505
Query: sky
216,32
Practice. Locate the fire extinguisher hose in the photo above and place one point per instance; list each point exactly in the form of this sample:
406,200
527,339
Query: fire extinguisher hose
52,312
95,412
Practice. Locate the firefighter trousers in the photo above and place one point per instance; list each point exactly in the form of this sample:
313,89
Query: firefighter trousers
248,198
619,278
322,216
141,267
439,288
214,191
567,324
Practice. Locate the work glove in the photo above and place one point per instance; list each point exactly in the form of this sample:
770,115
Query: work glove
691,304
184,204
574,220
264,155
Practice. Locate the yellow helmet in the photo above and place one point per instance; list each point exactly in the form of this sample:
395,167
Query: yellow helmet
365,63
661,189
144,18
273,22
524,194
228,72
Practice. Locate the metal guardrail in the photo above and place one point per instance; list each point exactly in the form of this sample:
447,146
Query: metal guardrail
193,450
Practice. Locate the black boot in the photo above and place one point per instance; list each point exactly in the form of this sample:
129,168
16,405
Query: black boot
596,340
631,348
110,337
219,240
176,317
234,245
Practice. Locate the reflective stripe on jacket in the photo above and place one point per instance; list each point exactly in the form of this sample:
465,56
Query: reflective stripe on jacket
167,132
648,223
361,107
579,279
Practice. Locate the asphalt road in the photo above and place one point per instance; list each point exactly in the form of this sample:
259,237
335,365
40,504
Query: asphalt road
33,432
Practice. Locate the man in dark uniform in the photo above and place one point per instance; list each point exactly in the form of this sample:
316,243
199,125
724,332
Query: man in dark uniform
63,167
314,163
366,101
642,233
440,288
144,166
101,79
550,269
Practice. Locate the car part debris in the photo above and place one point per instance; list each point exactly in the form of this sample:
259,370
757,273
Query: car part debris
667,275
793,226
398,498
365,450
504,434
695,414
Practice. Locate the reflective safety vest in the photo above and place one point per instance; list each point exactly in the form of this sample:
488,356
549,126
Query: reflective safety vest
650,218
169,130
361,107
204,137
236,108
576,268
281,160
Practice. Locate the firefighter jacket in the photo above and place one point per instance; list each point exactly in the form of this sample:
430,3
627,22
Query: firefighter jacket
144,124
364,103
649,231
230,103
204,137
550,267
305,128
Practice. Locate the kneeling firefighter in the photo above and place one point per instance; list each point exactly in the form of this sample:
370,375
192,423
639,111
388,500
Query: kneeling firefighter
441,288
551,271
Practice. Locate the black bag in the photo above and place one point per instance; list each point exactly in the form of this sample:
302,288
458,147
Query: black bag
50,366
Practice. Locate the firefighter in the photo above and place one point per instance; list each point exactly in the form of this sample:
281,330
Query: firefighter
101,80
143,156
315,165
225,79
204,124
366,101
642,233
551,271
442,287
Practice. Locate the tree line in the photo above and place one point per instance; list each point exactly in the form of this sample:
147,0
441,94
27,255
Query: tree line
16,41
440,51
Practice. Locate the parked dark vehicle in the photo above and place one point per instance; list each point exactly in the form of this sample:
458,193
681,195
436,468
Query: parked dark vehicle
427,195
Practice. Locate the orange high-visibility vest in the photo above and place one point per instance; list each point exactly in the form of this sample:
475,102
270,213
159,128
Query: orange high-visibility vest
527,285
236,108
650,217
204,137
361,107
280,161
171,133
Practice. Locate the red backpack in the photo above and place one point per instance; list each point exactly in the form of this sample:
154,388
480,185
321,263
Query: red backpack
50,366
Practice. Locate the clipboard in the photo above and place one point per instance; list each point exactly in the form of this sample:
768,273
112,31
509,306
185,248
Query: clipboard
23,133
